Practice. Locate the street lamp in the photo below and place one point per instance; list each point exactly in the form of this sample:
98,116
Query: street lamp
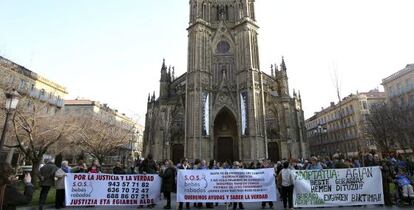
320,130
12,99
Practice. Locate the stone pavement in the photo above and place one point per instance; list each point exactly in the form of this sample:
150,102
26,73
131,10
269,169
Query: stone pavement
247,206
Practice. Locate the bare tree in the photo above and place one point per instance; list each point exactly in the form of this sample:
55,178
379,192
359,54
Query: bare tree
338,91
37,128
384,127
101,138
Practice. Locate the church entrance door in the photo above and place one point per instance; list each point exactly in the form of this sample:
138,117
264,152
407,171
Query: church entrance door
273,151
225,149
177,153
225,137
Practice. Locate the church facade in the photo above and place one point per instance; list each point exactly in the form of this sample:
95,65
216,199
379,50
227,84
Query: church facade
224,107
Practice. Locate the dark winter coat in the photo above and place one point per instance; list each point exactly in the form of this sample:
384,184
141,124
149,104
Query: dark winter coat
148,166
168,180
12,197
118,170
47,174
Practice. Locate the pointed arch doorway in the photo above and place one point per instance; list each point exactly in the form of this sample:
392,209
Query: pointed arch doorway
225,136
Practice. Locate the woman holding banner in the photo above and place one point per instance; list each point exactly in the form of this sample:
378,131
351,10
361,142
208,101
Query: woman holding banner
168,182
236,165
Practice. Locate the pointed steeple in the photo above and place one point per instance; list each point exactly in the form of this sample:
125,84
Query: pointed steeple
164,75
163,67
173,73
271,70
169,73
149,97
283,65
153,96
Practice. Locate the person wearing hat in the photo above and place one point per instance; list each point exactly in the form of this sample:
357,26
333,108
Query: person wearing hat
314,165
236,165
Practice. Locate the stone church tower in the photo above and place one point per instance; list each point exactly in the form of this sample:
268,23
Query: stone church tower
224,107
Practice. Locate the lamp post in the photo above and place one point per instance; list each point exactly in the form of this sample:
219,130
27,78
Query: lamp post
321,130
12,98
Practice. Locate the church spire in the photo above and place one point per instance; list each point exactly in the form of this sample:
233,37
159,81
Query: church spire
153,96
283,65
164,75
169,74
271,70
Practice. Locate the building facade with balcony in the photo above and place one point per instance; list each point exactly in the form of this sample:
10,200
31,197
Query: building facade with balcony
399,87
340,127
32,87
98,111
399,92
31,84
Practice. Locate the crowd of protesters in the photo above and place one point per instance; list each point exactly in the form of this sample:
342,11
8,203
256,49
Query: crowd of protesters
395,170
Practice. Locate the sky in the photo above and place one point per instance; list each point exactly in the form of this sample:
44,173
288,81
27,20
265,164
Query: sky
112,50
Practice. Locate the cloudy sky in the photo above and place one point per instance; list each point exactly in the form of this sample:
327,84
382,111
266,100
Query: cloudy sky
111,51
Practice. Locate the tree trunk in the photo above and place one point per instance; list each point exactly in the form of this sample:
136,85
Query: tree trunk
35,172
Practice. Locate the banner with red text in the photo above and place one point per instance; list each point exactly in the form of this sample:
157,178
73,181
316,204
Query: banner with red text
338,187
226,185
111,190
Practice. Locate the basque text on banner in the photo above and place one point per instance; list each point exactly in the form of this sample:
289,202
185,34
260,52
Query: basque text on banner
338,187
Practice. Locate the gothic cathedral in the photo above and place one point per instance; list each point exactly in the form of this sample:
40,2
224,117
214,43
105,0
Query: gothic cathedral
224,107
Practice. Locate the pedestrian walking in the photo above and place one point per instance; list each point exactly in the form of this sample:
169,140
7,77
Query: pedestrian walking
47,180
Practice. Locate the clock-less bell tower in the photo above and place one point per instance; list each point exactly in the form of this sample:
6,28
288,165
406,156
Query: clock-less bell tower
225,101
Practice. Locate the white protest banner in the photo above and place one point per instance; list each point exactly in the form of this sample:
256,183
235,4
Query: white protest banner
338,187
227,185
111,190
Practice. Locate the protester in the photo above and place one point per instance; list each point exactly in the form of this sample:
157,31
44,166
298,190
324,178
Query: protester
387,177
404,183
286,185
236,165
148,166
81,167
267,164
314,165
95,167
10,197
184,166
60,184
168,182
118,169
